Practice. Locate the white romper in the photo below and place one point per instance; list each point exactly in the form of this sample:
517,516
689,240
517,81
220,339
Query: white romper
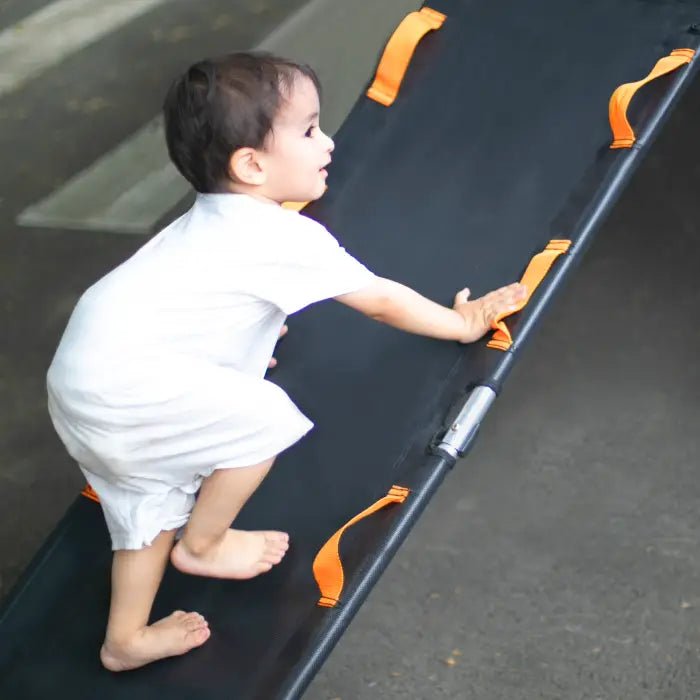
159,377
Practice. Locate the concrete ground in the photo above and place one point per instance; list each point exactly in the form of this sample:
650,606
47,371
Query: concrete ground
560,559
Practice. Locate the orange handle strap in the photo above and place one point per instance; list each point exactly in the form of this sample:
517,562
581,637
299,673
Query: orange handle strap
536,271
399,51
621,98
294,206
88,492
328,569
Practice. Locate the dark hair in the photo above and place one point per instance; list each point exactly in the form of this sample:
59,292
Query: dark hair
222,104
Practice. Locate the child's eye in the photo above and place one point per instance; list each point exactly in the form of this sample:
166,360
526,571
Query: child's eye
309,131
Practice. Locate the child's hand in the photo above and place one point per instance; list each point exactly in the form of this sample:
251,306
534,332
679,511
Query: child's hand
273,360
479,314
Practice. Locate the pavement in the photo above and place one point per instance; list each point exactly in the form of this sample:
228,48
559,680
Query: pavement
560,559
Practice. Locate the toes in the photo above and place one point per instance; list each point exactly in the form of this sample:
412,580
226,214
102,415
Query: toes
194,625
276,546
271,559
276,542
270,554
199,636
275,550
273,555
195,618
273,537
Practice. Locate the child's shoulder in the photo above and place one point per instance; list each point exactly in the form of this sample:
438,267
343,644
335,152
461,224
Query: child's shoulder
282,221
241,220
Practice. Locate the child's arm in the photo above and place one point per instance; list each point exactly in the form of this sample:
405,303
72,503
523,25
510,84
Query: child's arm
399,306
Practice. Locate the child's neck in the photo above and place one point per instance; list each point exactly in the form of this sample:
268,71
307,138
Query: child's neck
254,192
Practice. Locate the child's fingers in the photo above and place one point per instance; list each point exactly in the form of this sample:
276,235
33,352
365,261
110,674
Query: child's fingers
497,303
503,300
509,296
462,297
515,291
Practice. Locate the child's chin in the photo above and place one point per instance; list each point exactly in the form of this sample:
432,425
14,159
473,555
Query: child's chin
310,195
320,191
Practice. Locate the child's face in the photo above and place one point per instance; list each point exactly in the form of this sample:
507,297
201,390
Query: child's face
297,151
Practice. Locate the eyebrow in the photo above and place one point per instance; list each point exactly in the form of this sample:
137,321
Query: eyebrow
311,117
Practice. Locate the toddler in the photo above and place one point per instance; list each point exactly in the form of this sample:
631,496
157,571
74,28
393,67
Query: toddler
157,387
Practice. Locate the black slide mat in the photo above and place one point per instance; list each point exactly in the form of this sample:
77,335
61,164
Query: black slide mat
497,143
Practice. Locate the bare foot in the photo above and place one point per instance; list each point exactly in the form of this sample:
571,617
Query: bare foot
172,636
240,554
273,360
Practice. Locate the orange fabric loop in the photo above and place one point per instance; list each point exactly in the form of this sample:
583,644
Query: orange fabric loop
621,98
536,271
294,206
399,51
88,492
328,569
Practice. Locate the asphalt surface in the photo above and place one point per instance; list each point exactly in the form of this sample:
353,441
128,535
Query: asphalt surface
560,559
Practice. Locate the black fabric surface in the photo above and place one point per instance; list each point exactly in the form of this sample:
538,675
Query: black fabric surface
497,143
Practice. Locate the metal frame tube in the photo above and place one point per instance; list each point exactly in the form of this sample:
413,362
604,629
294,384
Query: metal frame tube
465,427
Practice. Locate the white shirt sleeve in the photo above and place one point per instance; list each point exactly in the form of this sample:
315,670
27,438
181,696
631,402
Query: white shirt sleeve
307,265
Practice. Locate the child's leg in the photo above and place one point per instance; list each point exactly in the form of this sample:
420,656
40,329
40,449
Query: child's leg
209,547
129,641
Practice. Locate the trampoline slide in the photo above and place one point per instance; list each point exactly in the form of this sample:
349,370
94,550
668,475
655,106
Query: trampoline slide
489,145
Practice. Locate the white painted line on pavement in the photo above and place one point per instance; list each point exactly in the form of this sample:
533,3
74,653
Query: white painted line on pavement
58,30
131,188
125,191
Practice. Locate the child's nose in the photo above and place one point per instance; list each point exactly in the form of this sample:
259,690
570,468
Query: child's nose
330,145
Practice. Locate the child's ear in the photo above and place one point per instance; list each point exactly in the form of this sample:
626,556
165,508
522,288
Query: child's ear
245,167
